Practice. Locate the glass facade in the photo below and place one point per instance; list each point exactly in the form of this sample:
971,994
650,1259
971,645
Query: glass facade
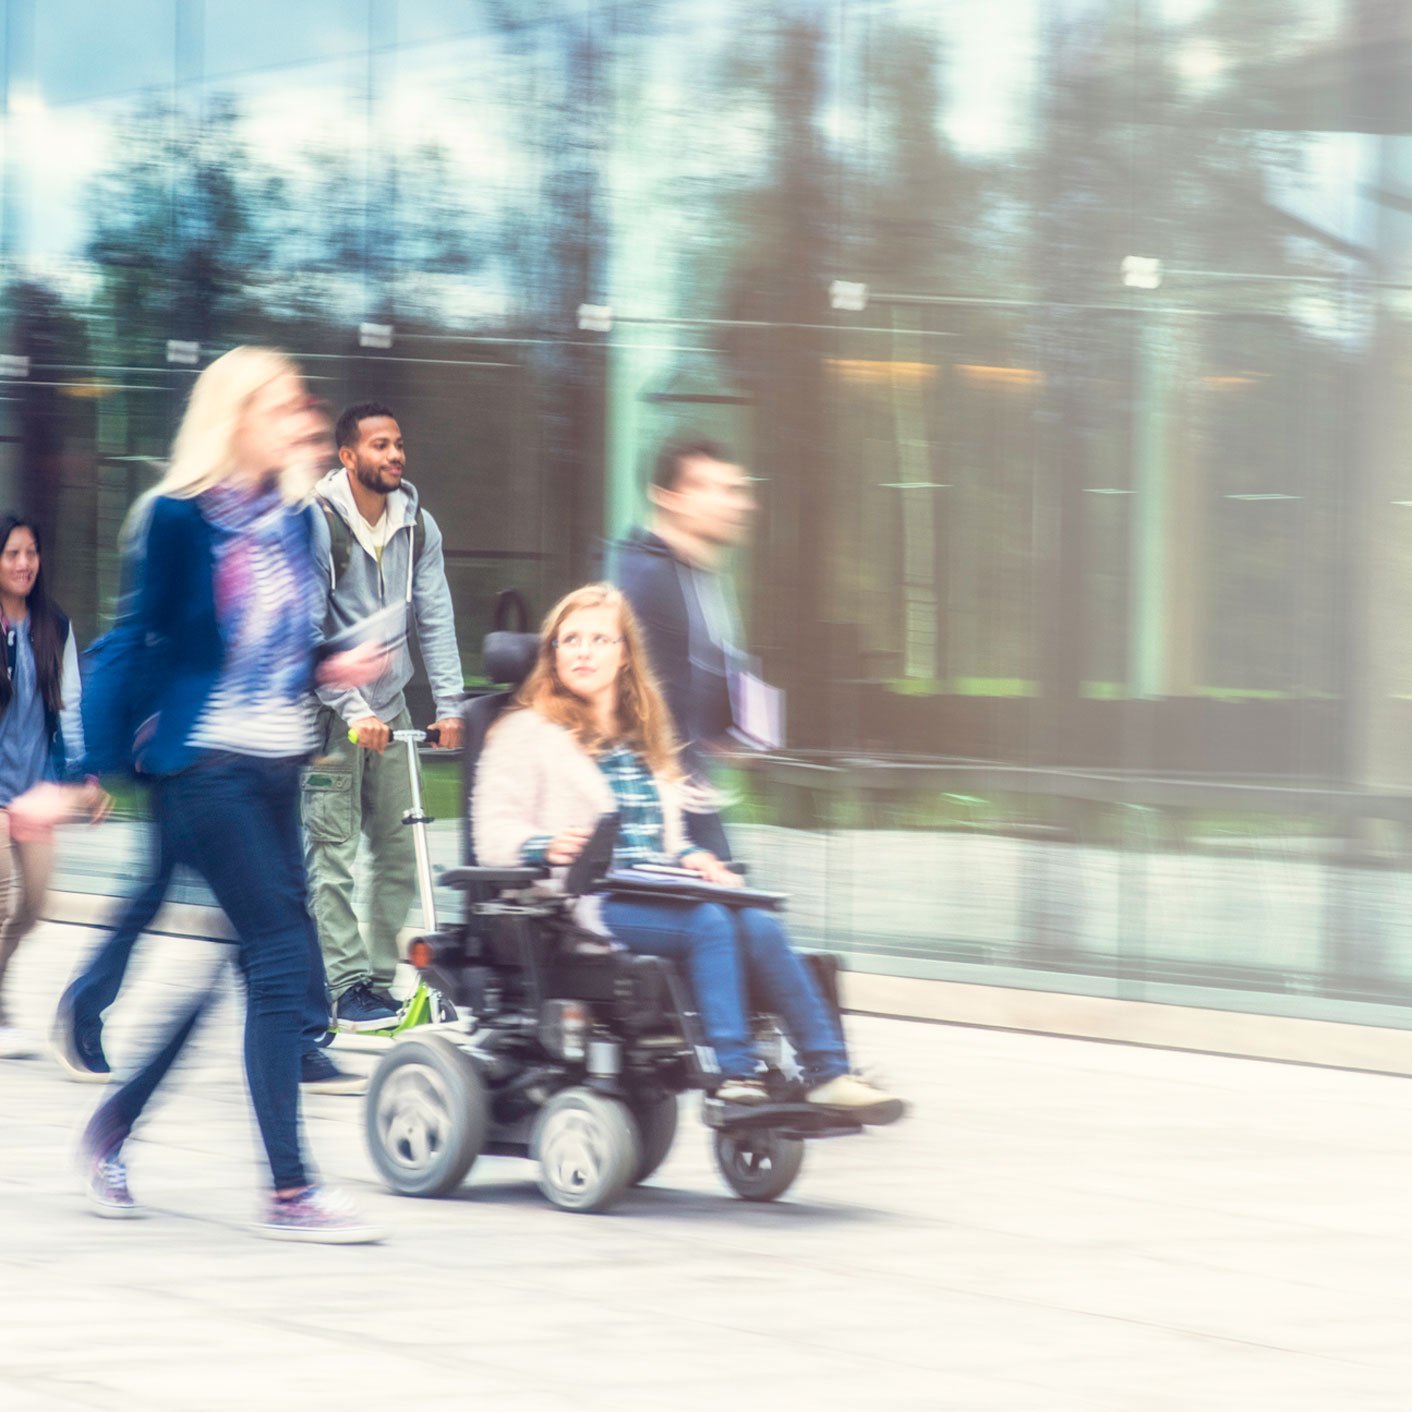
1069,340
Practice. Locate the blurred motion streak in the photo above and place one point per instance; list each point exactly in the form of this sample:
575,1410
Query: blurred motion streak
1086,586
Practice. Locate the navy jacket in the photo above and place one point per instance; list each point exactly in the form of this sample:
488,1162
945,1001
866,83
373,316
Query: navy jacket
691,669
181,651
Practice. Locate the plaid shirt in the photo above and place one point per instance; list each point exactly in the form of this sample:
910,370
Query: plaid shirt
641,828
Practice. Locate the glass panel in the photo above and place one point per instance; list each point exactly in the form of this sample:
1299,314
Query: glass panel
244,36
1067,340
83,52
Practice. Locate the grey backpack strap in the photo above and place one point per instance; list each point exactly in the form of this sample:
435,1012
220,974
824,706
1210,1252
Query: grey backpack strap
340,542
419,542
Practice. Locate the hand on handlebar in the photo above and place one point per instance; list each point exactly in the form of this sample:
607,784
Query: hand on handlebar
371,734
567,846
445,734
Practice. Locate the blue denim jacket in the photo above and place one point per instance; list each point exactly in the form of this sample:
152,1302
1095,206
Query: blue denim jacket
182,648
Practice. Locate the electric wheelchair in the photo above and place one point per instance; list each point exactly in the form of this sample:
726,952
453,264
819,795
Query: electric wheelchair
564,1048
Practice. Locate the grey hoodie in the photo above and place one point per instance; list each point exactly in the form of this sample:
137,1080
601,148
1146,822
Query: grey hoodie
365,587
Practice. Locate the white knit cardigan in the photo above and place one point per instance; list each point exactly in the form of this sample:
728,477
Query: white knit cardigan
535,778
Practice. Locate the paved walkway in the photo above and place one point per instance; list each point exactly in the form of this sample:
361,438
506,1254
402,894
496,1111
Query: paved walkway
1061,1227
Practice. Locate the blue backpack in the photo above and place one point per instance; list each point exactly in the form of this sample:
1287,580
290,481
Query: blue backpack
118,699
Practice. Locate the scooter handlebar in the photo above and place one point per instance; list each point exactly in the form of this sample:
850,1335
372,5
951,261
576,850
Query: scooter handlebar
431,735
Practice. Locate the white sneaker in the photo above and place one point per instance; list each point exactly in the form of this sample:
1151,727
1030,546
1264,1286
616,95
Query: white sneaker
319,1216
108,1194
859,1098
15,1044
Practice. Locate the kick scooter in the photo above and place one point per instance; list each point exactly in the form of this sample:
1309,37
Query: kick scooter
425,1005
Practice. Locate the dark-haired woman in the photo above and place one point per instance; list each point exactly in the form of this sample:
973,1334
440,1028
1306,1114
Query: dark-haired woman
40,732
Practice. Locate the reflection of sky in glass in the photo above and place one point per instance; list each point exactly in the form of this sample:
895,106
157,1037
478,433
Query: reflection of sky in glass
429,95
1331,192
241,35
481,98
990,73
988,57
84,51
53,153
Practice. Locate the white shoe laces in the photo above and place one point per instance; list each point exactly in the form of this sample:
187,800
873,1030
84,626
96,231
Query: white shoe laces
327,1202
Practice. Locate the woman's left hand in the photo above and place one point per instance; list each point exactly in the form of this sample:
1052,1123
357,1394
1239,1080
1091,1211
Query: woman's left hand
35,813
96,800
711,868
354,668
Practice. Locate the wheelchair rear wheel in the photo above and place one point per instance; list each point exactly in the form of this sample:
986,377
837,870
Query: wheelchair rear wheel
758,1163
656,1129
587,1148
426,1117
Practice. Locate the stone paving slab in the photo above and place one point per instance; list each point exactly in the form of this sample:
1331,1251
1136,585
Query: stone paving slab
1061,1226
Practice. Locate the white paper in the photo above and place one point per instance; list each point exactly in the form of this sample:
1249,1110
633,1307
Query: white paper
758,709
386,626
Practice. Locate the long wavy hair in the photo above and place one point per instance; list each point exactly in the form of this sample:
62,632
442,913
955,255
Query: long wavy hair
203,454
644,723
46,638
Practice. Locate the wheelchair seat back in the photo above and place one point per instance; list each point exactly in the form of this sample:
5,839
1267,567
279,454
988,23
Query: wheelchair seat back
507,659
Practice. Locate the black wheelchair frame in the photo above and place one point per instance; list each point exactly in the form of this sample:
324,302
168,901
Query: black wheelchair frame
565,1049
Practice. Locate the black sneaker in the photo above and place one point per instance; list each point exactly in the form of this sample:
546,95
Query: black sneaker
79,1047
385,997
319,1074
358,1008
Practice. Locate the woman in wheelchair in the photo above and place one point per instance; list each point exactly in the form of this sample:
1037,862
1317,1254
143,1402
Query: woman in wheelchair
590,735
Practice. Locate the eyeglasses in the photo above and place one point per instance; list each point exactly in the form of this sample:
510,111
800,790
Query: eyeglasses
575,640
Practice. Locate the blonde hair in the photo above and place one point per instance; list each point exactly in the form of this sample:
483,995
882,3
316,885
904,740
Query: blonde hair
644,723
202,454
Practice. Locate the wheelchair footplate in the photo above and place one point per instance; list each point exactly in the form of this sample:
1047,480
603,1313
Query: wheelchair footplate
797,1119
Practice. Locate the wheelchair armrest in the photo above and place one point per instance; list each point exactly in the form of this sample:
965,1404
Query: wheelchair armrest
491,877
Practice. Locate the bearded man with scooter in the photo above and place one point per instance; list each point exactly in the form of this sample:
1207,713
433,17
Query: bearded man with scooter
380,554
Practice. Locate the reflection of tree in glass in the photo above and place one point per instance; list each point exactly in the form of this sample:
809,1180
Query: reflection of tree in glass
198,236
911,206
184,226
49,428
1137,159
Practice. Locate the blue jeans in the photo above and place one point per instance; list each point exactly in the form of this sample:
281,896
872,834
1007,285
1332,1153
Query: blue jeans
723,948
96,987
234,819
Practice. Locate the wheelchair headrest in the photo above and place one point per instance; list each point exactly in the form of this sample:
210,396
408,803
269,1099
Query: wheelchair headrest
508,657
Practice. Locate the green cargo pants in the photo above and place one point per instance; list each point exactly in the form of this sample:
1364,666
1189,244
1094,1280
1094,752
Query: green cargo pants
350,792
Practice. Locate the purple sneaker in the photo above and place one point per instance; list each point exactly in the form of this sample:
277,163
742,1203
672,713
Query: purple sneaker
319,1216
106,1179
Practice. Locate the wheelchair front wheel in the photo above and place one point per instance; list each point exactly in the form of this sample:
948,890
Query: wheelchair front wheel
758,1164
587,1148
426,1117
656,1129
